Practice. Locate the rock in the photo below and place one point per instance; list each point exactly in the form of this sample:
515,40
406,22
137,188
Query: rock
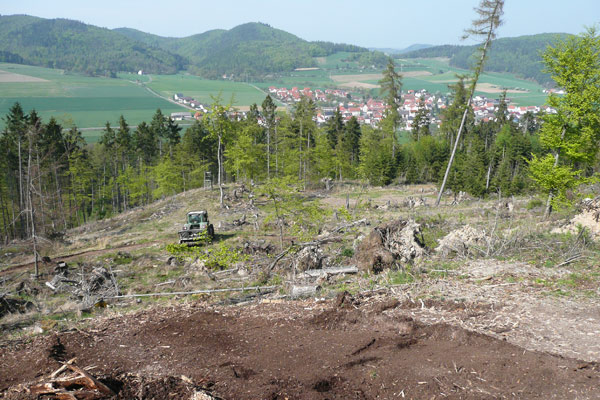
461,241
388,245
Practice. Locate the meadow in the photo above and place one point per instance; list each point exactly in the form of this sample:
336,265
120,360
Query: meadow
204,90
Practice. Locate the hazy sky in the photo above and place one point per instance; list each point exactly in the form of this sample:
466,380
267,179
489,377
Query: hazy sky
375,23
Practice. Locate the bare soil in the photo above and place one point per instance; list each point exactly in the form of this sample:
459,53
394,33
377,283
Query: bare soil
348,348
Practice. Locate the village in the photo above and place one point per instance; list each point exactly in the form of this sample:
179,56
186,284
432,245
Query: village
371,111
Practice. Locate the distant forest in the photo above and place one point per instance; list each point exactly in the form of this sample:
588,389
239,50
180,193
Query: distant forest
519,55
249,50
252,50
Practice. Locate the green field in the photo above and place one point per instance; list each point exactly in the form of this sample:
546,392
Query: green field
204,90
89,102
85,101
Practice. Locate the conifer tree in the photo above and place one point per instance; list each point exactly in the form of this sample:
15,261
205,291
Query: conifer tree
490,13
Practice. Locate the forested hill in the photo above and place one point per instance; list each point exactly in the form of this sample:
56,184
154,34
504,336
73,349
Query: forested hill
248,50
519,55
251,49
75,46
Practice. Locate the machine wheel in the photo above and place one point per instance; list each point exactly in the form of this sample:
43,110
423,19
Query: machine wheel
211,232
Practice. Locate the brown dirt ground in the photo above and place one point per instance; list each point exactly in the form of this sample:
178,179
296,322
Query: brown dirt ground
350,349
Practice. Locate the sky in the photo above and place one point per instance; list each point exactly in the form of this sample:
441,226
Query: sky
376,23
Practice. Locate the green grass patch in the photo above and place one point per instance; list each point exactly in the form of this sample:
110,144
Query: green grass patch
204,90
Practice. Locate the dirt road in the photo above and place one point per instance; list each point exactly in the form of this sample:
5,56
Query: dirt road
338,349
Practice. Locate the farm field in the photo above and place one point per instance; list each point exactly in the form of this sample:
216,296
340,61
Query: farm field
72,98
204,90
433,75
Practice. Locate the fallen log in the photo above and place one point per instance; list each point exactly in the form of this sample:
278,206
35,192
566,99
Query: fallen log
303,291
315,273
204,291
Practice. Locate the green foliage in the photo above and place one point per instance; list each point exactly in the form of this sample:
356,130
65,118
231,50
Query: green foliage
534,203
291,211
220,256
377,165
347,252
572,135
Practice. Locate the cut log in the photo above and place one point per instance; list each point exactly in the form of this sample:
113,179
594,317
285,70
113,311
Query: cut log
315,273
303,291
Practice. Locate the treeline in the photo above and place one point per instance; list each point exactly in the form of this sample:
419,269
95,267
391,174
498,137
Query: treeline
52,180
520,55
368,59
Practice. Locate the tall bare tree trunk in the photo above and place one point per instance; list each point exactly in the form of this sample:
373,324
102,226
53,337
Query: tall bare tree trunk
494,21
31,208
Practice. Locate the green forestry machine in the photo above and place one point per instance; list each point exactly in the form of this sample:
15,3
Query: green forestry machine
197,227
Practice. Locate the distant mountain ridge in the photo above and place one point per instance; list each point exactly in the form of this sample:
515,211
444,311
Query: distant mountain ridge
518,55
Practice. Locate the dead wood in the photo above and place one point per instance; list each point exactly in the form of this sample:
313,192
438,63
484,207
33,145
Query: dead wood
203,291
93,383
315,273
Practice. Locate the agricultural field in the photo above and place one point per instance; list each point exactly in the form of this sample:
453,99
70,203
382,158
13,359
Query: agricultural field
433,75
71,98
89,102
204,90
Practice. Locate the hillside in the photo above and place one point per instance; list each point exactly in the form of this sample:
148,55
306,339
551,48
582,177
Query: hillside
518,55
237,331
75,46
252,49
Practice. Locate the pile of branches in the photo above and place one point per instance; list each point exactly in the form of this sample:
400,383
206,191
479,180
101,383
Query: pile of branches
87,288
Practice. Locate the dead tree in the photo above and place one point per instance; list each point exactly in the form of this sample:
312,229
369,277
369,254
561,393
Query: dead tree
485,26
